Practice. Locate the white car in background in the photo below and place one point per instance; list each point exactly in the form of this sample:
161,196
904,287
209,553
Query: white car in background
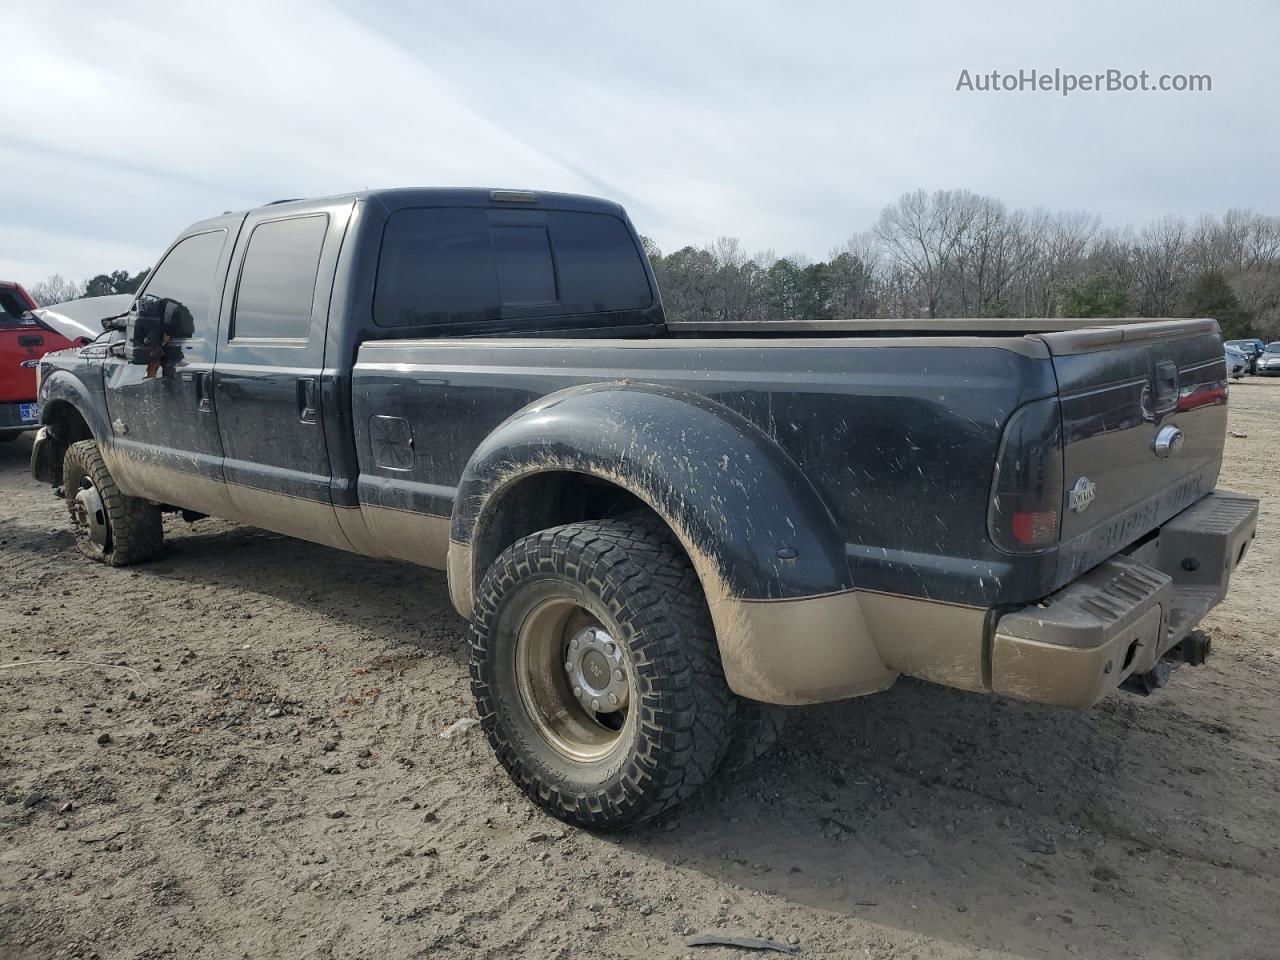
1237,362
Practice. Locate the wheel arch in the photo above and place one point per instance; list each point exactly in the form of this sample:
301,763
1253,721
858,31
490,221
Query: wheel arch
750,522
69,410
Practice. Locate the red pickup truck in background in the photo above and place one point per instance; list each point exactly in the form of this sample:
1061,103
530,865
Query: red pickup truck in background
24,339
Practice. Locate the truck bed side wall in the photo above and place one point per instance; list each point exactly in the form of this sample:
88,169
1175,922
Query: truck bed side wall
898,437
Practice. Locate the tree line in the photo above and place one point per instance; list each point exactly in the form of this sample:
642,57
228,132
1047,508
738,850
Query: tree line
954,253
58,289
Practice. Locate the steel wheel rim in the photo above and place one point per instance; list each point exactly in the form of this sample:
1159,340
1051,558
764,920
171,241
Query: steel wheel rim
89,514
561,654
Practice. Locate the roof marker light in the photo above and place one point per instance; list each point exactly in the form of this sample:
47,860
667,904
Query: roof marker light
513,196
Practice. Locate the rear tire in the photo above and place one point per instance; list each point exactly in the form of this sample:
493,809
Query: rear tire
549,604
110,527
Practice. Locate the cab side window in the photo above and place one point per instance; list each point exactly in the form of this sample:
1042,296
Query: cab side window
186,276
278,279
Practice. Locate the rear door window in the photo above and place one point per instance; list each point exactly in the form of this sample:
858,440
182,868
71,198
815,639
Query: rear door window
456,265
278,280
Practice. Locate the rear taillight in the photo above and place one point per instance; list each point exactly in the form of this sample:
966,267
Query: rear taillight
1026,491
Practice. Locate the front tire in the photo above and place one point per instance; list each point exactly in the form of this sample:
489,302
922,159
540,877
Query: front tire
596,673
110,527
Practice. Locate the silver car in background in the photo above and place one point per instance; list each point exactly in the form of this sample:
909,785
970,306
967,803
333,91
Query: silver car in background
1269,362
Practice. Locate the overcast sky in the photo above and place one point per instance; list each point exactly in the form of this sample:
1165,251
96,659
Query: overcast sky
788,125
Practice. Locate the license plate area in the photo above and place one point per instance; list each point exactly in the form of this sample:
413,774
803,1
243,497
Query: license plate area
29,412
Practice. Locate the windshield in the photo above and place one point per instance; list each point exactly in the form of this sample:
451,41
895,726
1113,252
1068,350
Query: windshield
1273,347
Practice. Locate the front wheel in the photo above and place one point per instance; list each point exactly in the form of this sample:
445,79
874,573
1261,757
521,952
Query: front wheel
110,527
596,673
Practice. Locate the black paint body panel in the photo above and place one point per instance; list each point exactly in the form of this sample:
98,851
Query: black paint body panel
896,442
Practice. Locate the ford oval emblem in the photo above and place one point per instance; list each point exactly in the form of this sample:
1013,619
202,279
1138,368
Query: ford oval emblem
1082,494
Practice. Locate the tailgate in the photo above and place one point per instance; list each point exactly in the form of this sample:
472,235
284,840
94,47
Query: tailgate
1123,390
22,343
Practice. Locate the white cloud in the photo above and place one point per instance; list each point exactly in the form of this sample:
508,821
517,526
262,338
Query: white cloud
789,126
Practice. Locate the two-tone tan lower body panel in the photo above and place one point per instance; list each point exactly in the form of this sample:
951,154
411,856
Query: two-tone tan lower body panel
844,645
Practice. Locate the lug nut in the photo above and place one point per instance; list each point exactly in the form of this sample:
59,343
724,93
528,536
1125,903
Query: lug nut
577,691
568,667
595,704
613,698
617,676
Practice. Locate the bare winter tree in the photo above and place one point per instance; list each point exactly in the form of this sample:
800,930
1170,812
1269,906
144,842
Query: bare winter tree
1160,261
56,289
922,233
989,257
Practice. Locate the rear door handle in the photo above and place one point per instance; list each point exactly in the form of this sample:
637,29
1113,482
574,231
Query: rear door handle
307,405
204,391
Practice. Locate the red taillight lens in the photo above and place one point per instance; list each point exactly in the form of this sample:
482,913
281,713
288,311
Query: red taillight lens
1026,490
1035,529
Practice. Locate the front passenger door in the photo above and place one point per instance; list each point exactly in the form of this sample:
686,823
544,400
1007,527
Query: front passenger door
165,443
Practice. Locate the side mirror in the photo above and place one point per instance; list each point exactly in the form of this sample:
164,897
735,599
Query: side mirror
150,325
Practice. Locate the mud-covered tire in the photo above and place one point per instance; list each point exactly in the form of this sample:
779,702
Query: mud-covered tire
134,528
639,587
757,728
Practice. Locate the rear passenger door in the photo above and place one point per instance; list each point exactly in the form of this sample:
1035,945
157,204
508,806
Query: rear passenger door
270,367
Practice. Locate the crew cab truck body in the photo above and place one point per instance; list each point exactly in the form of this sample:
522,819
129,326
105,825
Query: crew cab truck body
659,531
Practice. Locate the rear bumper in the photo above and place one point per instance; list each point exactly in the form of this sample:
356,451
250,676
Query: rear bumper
12,421
1118,619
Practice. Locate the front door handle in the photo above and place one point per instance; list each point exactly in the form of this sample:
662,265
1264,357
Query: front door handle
204,391
307,405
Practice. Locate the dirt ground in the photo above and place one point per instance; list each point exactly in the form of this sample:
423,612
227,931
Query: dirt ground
274,783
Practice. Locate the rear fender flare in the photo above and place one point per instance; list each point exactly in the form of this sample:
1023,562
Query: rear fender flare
769,556
749,519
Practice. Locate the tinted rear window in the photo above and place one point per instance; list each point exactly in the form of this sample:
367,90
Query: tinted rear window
522,256
457,265
278,280
12,308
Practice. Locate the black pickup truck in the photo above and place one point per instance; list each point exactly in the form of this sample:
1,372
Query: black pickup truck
659,532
